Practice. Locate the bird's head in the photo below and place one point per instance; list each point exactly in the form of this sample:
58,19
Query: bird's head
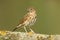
30,9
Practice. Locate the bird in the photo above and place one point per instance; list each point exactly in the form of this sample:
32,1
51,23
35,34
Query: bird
28,20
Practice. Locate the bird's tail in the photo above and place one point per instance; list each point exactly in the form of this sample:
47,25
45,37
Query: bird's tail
16,27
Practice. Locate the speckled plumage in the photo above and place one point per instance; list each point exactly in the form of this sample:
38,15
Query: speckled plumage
28,20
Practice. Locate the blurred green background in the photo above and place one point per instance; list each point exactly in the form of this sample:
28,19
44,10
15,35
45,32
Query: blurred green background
48,11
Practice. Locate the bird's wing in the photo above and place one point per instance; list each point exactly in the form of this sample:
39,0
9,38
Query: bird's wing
21,21
24,18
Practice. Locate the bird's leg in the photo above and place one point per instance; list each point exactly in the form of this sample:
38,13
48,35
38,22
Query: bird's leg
25,29
31,30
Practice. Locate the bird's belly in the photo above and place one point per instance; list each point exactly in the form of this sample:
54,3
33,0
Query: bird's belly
30,22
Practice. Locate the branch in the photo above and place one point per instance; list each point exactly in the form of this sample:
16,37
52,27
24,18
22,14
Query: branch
8,35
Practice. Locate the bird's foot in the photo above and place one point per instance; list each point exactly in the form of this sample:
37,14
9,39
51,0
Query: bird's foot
30,33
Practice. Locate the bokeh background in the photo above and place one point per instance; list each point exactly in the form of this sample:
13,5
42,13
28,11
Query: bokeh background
48,11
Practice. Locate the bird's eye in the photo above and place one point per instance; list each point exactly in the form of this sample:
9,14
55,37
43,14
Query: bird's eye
30,9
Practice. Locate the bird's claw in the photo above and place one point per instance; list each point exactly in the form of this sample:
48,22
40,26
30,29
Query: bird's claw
30,33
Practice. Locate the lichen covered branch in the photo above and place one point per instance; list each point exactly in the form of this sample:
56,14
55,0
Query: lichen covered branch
8,35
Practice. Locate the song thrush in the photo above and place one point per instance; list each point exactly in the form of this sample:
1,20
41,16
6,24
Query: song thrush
28,19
